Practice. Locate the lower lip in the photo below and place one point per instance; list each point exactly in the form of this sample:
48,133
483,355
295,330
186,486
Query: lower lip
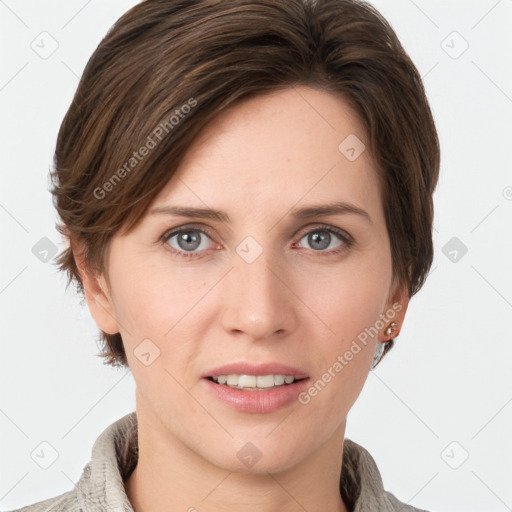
258,401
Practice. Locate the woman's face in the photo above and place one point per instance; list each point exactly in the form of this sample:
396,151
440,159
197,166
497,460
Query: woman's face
264,285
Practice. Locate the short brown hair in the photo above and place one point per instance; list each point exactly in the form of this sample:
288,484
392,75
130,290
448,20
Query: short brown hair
164,55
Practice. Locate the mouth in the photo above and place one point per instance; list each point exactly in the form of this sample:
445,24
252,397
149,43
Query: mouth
255,382
259,393
251,387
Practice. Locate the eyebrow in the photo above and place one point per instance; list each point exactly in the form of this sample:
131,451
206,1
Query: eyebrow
318,210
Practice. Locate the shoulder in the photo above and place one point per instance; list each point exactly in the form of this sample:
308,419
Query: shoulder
395,504
100,487
63,502
361,483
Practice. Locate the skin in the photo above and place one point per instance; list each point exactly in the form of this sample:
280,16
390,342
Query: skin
298,303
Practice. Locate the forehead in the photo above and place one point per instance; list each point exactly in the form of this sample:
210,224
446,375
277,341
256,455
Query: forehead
275,150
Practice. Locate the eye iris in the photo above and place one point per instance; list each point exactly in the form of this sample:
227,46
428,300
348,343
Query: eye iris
324,239
190,241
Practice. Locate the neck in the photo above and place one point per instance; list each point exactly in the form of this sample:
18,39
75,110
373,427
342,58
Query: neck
170,477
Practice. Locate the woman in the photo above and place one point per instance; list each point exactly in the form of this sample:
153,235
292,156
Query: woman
246,186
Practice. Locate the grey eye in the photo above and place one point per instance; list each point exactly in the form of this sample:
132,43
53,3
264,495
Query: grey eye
188,240
320,239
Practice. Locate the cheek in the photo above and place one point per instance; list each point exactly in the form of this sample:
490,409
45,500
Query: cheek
348,297
149,300
348,300
350,305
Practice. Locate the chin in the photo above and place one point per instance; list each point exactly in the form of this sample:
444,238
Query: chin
257,457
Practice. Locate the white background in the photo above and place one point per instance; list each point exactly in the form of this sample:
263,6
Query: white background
447,380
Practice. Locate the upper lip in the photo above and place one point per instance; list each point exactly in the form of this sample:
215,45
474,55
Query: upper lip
246,368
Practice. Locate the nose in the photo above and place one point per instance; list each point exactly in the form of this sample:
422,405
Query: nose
258,301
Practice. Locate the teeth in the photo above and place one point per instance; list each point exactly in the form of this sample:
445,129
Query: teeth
254,381
263,381
232,380
279,379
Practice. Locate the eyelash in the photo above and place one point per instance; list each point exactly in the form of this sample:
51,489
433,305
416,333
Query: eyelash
345,238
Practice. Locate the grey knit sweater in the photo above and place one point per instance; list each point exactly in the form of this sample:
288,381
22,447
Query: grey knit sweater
115,454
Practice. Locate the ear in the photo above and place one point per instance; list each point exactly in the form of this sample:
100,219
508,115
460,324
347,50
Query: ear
98,297
395,310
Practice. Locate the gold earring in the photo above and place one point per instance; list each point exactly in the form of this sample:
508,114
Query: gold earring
391,329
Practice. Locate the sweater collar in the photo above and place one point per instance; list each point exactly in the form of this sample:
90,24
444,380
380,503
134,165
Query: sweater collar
115,455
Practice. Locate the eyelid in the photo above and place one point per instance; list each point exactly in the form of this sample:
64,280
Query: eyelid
199,227
328,227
